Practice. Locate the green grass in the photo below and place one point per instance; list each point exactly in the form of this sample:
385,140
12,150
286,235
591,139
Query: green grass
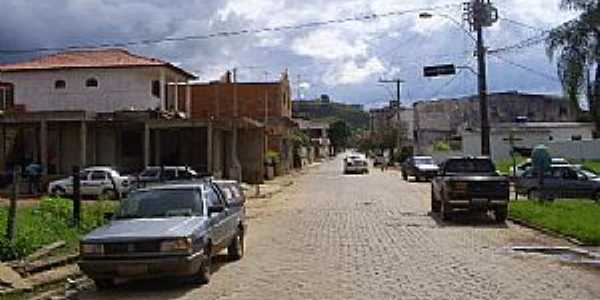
503,166
579,219
592,164
48,222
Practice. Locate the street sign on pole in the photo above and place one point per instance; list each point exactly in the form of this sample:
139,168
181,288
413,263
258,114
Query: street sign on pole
439,70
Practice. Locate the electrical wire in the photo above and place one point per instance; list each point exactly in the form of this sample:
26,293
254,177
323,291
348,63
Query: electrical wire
526,68
227,34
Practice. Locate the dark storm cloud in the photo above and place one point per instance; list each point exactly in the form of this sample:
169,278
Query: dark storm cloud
344,60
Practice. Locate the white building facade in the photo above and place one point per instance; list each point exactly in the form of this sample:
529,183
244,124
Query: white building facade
96,81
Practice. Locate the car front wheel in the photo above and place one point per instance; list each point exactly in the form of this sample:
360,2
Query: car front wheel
435,205
235,251
203,275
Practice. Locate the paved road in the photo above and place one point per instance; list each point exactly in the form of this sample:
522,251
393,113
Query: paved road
331,236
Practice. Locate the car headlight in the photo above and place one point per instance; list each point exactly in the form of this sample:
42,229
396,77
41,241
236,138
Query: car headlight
178,245
91,249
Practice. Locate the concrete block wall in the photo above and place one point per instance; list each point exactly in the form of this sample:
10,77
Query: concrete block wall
251,155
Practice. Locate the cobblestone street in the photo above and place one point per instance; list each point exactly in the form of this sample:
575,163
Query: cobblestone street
331,236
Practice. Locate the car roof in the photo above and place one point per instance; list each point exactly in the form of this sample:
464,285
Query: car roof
98,168
168,168
173,186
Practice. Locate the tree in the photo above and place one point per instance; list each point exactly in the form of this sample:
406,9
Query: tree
339,134
576,47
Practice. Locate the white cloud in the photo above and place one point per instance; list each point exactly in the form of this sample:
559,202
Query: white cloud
352,72
330,44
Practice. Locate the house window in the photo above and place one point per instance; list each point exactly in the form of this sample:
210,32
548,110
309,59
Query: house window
92,82
156,88
60,84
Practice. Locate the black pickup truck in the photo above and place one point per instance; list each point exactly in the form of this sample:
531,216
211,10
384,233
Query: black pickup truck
470,183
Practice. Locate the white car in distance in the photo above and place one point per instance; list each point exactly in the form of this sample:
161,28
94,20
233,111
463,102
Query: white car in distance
356,164
94,181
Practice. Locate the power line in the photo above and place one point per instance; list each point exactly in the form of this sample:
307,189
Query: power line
227,34
526,68
526,43
525,25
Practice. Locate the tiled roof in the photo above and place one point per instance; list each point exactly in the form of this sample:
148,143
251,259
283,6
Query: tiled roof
104,58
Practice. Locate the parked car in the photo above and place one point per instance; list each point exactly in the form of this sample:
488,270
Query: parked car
155,174
526,165
564,181
419,167
356,163
94,181
470,183
232,192
166,230
379,160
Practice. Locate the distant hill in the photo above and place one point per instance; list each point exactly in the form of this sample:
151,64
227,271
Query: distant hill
316,110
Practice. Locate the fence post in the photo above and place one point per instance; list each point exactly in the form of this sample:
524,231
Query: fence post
76,196
12,210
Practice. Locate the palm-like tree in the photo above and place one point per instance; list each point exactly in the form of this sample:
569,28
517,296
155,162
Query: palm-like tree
576,47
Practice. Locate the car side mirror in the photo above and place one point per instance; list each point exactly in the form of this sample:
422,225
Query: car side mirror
109,216
215,209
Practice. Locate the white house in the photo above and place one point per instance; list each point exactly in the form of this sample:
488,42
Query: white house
99,81
527,135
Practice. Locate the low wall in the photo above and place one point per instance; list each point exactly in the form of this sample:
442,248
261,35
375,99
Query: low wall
575,150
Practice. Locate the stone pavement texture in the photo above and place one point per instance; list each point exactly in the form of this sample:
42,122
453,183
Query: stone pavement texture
331,236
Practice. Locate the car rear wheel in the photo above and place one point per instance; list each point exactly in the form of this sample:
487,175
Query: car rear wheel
58,191
104,284
404,176
109,194
596,196
203,275
532,194
235,251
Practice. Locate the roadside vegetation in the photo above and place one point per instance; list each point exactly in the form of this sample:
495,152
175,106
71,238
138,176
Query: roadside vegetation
47,222
579,219
503,166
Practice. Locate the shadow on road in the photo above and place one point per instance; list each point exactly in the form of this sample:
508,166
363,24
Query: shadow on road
160,288
466,219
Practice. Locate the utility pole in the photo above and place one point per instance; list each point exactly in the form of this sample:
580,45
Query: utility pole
396,106
482,14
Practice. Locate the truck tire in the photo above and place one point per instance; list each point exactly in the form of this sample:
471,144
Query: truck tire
444,212
500,214
235,251
435,204
531,194
104,284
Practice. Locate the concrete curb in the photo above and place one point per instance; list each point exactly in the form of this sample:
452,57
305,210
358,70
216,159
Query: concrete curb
548,232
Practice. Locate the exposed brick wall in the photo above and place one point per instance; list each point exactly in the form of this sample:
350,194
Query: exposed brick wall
216,100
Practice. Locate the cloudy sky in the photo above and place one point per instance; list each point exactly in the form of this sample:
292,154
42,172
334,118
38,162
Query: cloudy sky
342,60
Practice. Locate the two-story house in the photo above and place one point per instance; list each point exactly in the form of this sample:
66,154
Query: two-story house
102,107
266,102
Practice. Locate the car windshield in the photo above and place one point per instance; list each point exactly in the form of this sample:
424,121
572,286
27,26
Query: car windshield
150,172
424,161
588,173
160,203
469,166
